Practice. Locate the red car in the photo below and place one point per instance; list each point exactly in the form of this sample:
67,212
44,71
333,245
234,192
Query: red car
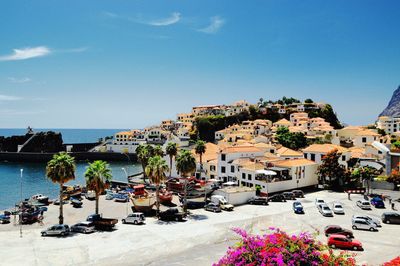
340,241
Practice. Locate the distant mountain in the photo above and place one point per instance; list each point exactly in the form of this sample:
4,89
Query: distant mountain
393,108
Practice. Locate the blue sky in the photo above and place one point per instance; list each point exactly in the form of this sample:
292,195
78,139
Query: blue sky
129,64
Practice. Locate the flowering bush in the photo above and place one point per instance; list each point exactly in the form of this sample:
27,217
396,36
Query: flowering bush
278,248
393,262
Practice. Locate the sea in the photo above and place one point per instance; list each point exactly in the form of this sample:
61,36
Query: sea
14,186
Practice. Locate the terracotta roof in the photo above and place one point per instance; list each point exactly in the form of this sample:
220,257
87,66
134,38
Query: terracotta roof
254,166
324,148
210,154
264,145
294,162
237,149
124,133
283,121
367,132
288,152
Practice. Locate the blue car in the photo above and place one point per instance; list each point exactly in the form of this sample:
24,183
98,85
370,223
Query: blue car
297,207
377,202
4,219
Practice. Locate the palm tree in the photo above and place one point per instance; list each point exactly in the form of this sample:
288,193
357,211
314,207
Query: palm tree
186,165
155,170
144,152
98,175
158,151
200,149
61,169
171,150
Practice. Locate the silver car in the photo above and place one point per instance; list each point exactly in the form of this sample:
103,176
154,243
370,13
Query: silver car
319,201
56,230
325,210
368,218
363,224
134,218
337,208
364,204
83,227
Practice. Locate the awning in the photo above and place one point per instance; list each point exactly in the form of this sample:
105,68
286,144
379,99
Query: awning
266,172
277,168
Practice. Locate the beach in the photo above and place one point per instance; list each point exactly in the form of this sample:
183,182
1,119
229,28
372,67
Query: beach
201,240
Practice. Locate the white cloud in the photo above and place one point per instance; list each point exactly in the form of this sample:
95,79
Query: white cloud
215,25
18,80
174,18
73,50
9,98
26,53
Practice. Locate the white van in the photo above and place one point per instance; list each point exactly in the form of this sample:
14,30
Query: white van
223,203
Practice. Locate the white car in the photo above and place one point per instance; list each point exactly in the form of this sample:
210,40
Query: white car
363,224
319,202
337,208
368,218
325,210
364,204
134,218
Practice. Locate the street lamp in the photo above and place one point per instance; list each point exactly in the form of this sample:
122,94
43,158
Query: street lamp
126,173
20,211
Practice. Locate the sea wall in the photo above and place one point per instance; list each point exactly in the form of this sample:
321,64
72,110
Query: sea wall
79,156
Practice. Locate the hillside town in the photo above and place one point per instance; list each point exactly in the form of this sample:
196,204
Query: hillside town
250,154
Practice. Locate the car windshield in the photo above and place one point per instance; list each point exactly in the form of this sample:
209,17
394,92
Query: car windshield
338,206
326,208
365,203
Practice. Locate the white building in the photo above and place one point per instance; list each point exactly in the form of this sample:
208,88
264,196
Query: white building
316,152
391,125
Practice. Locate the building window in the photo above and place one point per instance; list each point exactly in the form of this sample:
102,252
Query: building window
223,157
249,176
232,168
222,169
343,158
243,176
312,157
364,140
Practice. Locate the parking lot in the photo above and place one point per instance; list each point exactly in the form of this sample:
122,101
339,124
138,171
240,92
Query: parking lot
201,240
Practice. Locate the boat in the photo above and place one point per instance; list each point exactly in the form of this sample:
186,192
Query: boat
40,198
119,197
141,199
75,202
178,184
73,191
165,196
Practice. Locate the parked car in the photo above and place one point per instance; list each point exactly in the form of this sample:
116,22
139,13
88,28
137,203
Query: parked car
109,196
337,230
297,207
57,202
277,198
258,201
377,202
368,218
223,203
337,208
76,203
325,210
4,219
298,193
212,207
172,214
363,204
319,201
83,227
134,218
363,224
289,196
391,218
56,230
90,195
341,241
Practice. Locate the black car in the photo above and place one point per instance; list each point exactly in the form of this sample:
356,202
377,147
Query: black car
289,195
298,193
391,218
172,214
277,198
337,230
258,201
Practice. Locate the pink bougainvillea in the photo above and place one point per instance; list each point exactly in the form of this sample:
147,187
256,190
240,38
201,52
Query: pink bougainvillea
279,248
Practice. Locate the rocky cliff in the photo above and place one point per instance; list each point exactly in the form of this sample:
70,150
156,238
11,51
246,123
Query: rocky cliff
393,108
